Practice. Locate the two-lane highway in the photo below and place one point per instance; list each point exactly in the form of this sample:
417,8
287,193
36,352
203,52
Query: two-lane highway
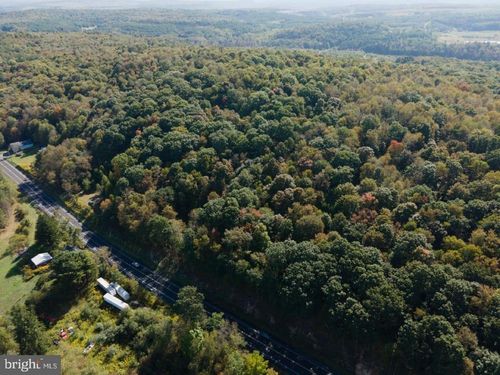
280,355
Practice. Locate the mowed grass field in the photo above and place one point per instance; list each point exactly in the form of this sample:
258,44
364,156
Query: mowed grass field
26,160
491,36
12,286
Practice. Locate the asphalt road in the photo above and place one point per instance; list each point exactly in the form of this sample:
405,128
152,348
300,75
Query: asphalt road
281,356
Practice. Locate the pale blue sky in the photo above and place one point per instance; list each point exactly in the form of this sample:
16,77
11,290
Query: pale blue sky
301,4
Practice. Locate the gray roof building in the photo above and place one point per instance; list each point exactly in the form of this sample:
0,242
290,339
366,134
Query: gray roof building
16,147
41,259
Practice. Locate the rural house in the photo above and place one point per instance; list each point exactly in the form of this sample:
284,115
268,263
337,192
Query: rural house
17,147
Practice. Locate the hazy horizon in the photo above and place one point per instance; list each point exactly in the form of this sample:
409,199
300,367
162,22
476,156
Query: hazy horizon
225,4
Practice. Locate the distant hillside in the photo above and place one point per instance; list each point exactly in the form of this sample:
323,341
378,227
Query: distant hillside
388,31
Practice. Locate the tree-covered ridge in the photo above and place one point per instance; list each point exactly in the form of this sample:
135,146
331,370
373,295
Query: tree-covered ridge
357,193
390,30
385,39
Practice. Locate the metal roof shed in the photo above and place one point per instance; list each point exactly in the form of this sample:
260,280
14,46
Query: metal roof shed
121,292
41,259
116,302
103,283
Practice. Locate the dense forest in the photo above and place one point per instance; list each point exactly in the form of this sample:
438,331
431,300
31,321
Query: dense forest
357,196
392,31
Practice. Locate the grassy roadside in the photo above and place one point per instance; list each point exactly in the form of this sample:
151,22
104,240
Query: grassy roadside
103,359
14,287
25,160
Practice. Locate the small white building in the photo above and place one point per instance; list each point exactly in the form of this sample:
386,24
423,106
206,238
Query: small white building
88,28
115,302
103,283
121,292
41,259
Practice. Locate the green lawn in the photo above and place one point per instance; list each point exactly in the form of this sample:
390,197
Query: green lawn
26,160
83,200
469,36
13,287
